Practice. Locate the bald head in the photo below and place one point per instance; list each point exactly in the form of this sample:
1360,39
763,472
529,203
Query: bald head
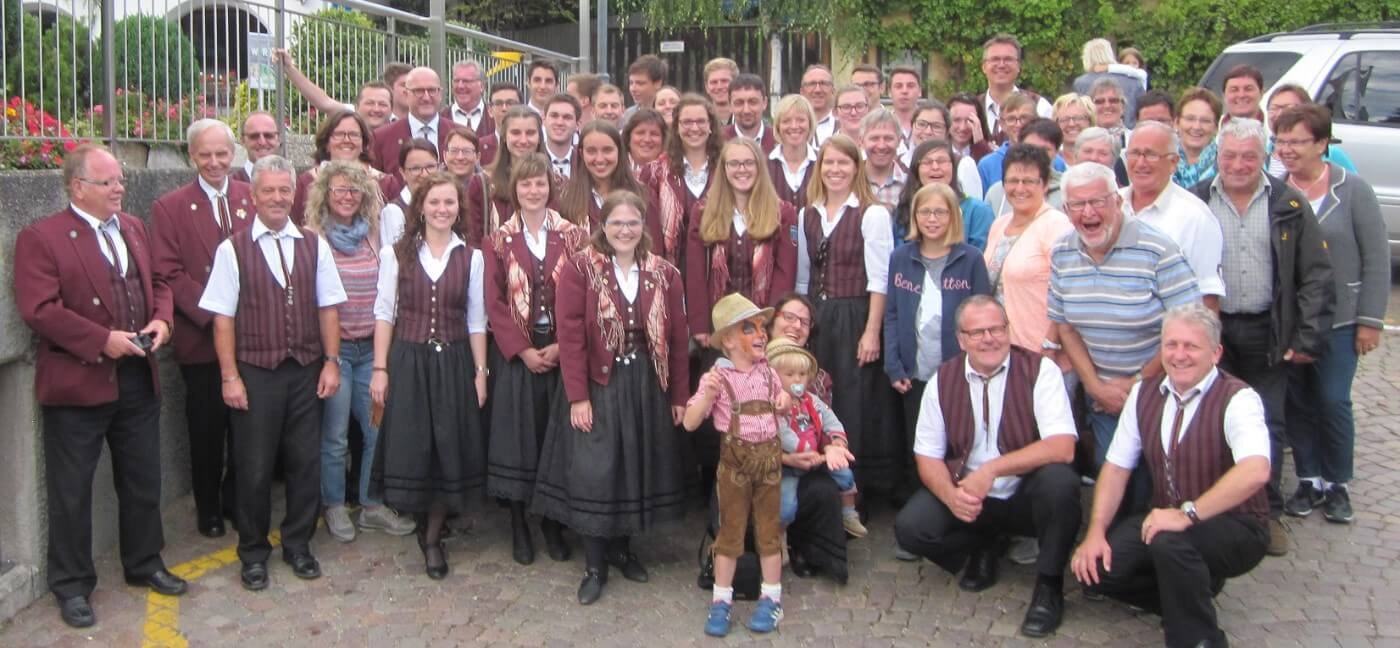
425,92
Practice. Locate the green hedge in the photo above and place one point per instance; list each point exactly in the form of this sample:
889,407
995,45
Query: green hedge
338,49
46,70
154,57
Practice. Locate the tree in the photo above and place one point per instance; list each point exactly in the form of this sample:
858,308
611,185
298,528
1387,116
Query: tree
155,57
46,69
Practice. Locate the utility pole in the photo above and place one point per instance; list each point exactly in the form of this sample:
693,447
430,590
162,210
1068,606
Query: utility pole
583,58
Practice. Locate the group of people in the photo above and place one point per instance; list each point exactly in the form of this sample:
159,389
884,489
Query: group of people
533,294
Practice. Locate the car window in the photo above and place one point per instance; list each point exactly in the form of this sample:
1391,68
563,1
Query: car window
1270,64
1364,87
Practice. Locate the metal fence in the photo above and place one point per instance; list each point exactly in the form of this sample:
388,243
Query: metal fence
142,70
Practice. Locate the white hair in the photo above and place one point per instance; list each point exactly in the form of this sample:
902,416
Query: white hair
467,64
1085,173
273,164
1094,134
1105,84
1174,140
879,117
1251,129
1195,313
1097,52
200,125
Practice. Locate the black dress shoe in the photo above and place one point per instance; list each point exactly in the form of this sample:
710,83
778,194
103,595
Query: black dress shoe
799,566
254,576
838,571
592,586
434,560
522,548
554,543
1045,612
981,571
211,527
631,567
161,582
77,612
304,565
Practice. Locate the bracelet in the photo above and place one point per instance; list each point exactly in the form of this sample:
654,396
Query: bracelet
381,369
483,370
232,379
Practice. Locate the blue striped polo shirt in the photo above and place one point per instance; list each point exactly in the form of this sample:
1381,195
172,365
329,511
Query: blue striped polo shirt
1117,306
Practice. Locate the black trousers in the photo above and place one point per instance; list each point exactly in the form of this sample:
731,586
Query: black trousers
1246,339
211,446
283,418
1178,574
1045,506
73,439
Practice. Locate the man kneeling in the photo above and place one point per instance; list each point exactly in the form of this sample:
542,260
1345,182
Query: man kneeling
992,444
1209,519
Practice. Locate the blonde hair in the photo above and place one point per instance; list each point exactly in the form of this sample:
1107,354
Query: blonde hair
796,103
1097,52
1075,99
792,361
928,192
763,204
317,197
860,186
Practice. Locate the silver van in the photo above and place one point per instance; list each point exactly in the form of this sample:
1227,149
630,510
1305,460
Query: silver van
1354,69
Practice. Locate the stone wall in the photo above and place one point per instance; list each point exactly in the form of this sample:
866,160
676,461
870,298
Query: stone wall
27,196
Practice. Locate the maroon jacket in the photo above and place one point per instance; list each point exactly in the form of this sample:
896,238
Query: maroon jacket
700,299
490,142
583,355
384,146
63,291
500,247
185,239
767,142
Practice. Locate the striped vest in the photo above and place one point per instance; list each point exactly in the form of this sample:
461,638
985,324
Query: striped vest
128,293
1017,428
797,197
359,273
837,261
268,330
434,310
740,256
1202,456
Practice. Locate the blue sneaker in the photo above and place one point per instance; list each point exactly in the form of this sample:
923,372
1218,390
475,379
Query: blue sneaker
717,625
766,616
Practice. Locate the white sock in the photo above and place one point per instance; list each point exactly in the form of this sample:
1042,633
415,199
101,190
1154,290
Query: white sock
1315,481
1327,485
774,592
725,594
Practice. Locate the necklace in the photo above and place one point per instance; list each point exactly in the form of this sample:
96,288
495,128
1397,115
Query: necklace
1308,190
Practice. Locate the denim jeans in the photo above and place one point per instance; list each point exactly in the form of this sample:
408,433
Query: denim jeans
1139,493
356,368
1319,422
787,509
1246,340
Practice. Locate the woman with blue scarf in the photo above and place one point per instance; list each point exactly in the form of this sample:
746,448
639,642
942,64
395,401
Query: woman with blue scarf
343,205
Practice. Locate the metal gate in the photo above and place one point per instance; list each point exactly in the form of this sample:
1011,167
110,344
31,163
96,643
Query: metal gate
745,43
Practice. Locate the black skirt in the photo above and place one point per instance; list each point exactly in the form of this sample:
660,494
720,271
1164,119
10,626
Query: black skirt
817,533
431,446
521,405
623,476
861,396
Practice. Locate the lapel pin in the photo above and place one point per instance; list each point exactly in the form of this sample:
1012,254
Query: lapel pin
241,214
1293,204
193,207
72,234
96,301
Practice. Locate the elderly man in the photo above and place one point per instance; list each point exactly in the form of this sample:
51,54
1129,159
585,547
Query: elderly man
749,102
993,445
1110,282
719,72
468,107
423,121
260,139
1001,63
607,104
190,223
879,139
1278,298
83,283
1153,198
1208,510
560,132
817,87
273,292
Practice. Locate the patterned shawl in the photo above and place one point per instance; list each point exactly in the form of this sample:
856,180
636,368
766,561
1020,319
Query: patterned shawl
762,269
599,268
672,208
517,276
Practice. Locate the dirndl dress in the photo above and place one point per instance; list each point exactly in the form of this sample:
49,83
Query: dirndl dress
522,406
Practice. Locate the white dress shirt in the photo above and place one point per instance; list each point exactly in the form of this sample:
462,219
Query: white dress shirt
415,128
392,220
794,179
1245,431
221,294
113,227
1189,223
628,280
877,231
1050,404
825,127
538,241
469,118
563,164
696,180
214,193
386,303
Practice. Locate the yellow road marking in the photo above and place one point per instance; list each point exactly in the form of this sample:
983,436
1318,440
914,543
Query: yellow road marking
162,627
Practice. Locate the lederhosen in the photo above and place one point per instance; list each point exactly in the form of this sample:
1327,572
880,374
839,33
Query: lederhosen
747,481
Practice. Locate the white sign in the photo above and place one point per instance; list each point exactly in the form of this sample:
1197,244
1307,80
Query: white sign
261,73
672,47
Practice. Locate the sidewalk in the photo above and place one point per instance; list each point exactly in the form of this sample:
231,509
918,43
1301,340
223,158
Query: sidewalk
1340,586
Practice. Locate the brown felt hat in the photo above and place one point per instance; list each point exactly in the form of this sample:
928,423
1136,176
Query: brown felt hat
730,311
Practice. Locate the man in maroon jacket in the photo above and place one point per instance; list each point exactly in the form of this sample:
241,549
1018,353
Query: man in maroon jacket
468,107
273,292
748,101
1209,516
993,444
189,223
424,121
84,284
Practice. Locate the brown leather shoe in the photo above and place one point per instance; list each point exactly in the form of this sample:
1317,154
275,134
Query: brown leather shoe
1278,539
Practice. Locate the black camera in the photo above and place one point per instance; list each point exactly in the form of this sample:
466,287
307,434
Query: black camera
143,342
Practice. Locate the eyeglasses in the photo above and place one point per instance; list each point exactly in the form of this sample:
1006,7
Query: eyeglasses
421,169
105,184
1073,119
936,212
624,224
1000,60
461,150
920,124
851,109
934,162
1293,143
977,335
1107,101
816,84
424,92
1015,120
740,165
1198,121
1022,182
346,192
794,318
1151,156
694,123
1097,202
346,136
272,136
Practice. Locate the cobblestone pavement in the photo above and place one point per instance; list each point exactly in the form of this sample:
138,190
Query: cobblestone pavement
1339,586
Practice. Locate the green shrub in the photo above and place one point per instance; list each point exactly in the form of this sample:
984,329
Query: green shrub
46,70
10,11
154,57
339,50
